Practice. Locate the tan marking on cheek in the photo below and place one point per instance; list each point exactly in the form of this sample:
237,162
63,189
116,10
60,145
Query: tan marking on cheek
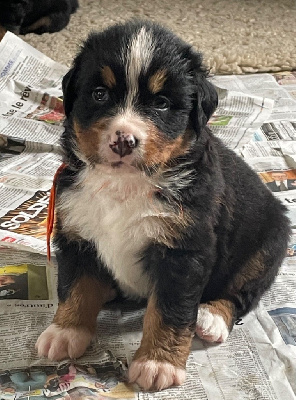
108,76
224,308
157,81
89,140
86,299
253,269
159,149
161,342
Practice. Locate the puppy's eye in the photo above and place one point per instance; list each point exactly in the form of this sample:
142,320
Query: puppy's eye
161,103
100,94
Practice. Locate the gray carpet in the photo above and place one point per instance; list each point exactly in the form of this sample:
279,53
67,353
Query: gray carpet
236,36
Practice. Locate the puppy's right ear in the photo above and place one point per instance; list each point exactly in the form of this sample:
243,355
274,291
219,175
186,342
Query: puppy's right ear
69,90
205,98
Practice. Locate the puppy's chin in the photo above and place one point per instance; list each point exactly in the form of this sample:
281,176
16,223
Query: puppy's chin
120,165
118,168
117,160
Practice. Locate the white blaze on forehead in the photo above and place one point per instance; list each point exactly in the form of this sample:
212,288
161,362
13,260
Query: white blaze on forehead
139,56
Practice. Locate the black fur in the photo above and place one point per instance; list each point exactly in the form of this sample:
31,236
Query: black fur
77,259
226,234
20,16
234,216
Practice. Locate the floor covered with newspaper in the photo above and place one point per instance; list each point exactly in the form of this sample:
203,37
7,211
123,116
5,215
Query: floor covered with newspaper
257,118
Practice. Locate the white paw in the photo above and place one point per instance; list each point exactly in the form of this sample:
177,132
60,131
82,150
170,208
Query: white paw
155,375
211,327
57,343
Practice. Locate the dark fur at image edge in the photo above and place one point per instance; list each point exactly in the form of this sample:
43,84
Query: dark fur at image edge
235,221
26,16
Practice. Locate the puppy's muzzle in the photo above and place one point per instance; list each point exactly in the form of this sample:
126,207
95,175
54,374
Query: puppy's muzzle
124,144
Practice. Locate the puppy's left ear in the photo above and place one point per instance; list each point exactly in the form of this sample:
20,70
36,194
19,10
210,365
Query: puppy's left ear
69,85
69,92
205,96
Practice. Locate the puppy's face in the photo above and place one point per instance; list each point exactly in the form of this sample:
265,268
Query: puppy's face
136,95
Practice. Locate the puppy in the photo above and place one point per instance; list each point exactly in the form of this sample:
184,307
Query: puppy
25,16
153,205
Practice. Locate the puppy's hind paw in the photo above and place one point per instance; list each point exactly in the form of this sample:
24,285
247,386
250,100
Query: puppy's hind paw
155,375
211,327
58,343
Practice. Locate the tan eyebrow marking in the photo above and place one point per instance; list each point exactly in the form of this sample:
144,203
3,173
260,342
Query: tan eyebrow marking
157,80
108,76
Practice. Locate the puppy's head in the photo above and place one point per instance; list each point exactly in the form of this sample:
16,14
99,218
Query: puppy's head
136,95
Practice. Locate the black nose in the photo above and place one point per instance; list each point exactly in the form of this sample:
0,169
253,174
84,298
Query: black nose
124,145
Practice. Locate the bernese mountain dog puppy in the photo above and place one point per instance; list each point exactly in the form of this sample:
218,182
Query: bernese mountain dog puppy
152,205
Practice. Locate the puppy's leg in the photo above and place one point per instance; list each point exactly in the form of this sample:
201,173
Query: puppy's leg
161,359
83,290
170,319
215,320
245,287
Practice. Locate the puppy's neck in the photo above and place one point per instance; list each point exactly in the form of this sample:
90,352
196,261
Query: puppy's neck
123,183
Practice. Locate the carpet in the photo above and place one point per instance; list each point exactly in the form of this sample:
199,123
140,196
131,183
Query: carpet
236,36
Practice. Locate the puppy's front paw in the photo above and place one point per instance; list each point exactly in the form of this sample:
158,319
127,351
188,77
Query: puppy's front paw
57,343
211,327
155,375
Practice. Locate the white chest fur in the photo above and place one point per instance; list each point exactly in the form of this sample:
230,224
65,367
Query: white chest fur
114,208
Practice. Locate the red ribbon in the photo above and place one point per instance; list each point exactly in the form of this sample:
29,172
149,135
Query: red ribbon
51,208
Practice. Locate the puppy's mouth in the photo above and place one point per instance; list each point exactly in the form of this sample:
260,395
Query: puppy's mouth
117,164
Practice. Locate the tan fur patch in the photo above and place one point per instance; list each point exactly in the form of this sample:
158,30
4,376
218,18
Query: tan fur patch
42,22
108,76
89,139
224,308
161,342
172,225
253,269
2,32
156,81
159,149
87,297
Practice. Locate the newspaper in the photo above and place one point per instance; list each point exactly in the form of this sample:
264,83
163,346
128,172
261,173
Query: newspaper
238,115
257,118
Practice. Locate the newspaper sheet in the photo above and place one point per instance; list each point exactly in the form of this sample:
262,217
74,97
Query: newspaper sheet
256,117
